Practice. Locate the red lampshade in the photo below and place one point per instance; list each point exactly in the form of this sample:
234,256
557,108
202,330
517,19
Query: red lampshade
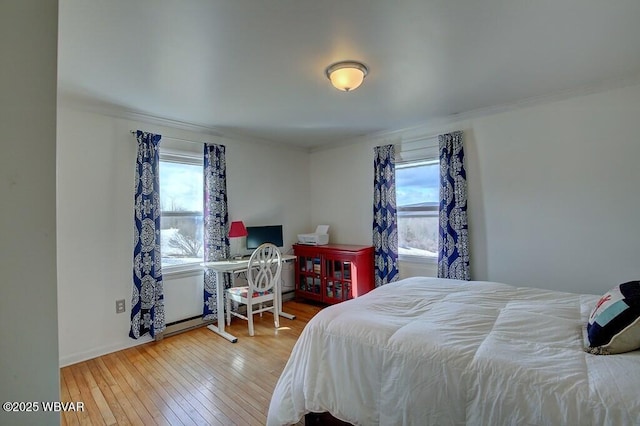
237,230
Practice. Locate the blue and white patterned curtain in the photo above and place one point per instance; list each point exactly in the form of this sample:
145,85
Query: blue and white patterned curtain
453,250
147,302
216,223
385,221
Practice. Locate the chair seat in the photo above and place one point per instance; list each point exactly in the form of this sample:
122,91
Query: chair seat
244,292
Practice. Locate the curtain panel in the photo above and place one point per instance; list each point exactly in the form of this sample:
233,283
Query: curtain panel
216,224
385,222
147,302
453,241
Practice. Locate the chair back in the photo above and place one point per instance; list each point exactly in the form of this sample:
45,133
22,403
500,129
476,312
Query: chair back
264,268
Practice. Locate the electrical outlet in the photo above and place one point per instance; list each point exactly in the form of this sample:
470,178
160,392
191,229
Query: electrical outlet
120,306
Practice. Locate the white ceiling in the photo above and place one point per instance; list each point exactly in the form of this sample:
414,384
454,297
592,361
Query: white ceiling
256,67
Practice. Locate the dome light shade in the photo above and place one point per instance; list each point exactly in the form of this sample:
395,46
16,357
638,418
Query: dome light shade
346,75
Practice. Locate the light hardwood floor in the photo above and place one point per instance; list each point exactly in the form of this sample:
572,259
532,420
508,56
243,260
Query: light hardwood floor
192,378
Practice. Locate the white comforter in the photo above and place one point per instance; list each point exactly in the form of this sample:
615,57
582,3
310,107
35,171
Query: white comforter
427,351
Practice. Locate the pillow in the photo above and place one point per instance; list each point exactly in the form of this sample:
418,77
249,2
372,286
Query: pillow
614,323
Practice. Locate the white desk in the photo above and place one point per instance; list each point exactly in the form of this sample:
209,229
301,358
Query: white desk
234,266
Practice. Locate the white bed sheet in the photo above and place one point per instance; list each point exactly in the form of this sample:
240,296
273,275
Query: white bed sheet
428,351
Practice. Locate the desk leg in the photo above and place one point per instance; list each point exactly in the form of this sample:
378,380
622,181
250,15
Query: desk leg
286,315
283,314
229,337
219,328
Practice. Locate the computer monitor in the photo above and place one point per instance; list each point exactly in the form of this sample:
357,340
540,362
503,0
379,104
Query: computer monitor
257,235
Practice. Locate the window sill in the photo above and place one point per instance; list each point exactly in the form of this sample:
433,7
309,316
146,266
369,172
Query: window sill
181,271
424,260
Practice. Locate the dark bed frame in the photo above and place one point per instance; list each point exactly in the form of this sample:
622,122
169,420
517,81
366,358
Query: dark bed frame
323,419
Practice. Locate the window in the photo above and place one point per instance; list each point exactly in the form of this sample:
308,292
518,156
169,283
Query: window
181,221
418,199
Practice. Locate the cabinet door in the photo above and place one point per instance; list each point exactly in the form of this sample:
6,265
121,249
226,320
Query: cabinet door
310,275
338,275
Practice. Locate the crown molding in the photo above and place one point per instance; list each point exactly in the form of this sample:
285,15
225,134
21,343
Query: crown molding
117,111
557,96
439,125
426,130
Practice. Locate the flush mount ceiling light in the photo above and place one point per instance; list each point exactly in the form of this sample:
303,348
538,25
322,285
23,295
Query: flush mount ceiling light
346,75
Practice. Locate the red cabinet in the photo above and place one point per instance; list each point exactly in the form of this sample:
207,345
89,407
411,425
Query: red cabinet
333,273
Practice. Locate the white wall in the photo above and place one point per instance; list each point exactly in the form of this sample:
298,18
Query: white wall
28,331
553,191
342,192
266,185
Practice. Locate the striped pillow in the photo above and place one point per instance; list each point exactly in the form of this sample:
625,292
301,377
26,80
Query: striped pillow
614,323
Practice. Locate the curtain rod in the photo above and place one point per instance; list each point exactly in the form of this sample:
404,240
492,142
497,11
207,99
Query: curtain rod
133,132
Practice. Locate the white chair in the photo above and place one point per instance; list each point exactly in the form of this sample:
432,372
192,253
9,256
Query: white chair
263,277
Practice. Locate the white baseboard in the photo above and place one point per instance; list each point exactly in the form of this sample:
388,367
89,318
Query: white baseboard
288,295
172,329
103,350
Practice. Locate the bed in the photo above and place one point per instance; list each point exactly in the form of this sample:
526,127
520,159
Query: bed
429,351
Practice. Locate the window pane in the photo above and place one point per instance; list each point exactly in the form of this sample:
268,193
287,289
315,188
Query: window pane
417,198
182,240
418,236
417,183
180,187
181,221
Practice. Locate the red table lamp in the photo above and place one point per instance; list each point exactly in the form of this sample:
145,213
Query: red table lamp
237,230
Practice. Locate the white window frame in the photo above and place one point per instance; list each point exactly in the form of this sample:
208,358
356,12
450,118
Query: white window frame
432,210
186,269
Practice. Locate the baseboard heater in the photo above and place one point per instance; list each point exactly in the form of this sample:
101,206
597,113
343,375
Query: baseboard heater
183,325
